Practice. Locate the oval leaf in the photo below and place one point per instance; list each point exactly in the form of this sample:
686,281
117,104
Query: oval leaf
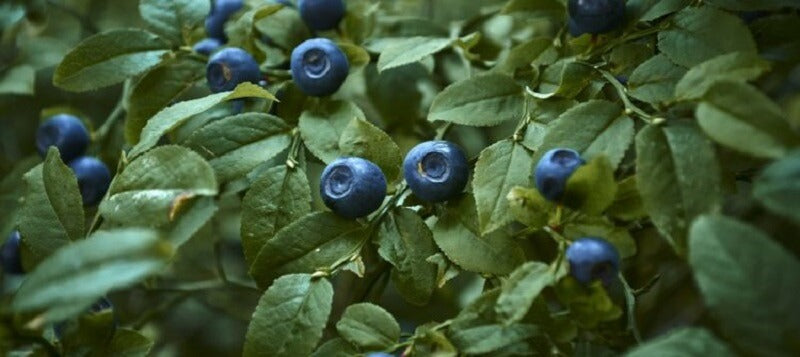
483,100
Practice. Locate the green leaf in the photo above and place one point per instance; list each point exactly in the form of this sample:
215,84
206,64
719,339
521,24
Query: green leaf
279,197
173,116
285,29
88,269
483,100
678,176
369,327
19,80
529,207
322,126
742,118
311,243
587,305
649,10
778,187
500,167
129,343
290,317
684,342
732,66
153,188
406,242
109,58
408,50
521,289
534,52
11,196
242,32
727,257
236,145
335,347
654,80
456,234
174,20
52,213
600,226
627,204
490,338
591,188
701,33
362,139
564,79
551,7
753,5
191,220
593,128
157,89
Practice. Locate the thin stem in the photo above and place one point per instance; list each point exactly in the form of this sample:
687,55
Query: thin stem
623,94
218,260
294,150
630,302
103,131
442,131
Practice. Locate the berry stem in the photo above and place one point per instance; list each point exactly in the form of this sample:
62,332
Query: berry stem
630,303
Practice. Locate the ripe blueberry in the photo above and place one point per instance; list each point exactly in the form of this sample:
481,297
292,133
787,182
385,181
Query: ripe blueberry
436,171
229,67
352,187
9,254
595,16
593,259
207,46
321,15
553,171
93,178
319,67
221,10
65,132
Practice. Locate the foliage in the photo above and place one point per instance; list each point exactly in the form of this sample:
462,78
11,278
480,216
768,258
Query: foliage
213,238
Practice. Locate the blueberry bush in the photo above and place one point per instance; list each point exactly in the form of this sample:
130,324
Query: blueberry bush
400,177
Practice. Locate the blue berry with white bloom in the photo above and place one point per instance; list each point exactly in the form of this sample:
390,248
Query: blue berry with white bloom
93,178
595,16
319,67
593,259
352,187
229,67
321,15
207,46
553,171
64,131
436,171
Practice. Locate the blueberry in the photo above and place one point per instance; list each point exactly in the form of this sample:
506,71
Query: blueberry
321,15
65,132
229,67
221,11
436,171
378,354
319,67
595,16
593,259
352,187
93,178
9,254
553,171
101,305
207,46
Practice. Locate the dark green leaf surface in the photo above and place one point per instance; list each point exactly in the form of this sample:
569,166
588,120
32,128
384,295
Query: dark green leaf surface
483,100
685,342
362,139
406,242
753,5
175,19
778,187
109,58
521,288
369,327
743,276
311,243
322,126
702,33
173,116
157,89
654,80
648,10
740,117
409,50
490,338
236,145
500,167
290,317
456,234
735,66
52,213
129,343
82,271
279,197
678,178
